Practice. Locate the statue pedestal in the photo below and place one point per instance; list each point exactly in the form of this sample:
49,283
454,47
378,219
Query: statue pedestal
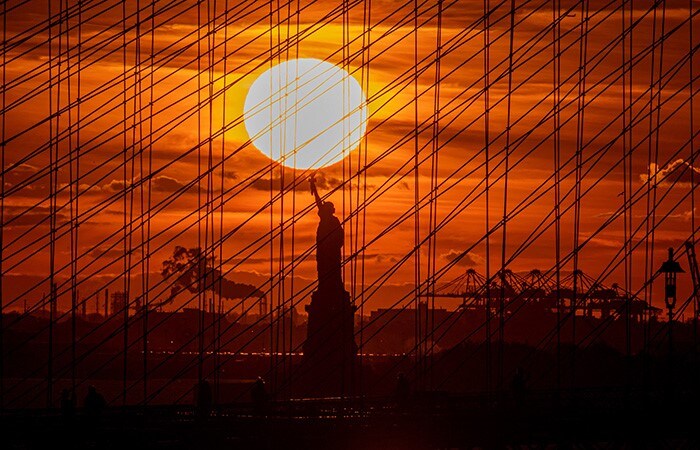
329,362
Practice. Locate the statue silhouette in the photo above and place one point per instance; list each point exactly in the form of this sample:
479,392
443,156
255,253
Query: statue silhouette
329,242
329,349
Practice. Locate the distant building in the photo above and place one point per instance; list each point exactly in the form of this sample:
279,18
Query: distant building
119,301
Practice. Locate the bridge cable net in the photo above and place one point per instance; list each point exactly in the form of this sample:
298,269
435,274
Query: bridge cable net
103,176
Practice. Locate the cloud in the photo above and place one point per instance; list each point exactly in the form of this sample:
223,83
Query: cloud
381,258
18,216
167,184
678,172
327,182
113,186
470,259
686,216
19,178
22,170
611,243
323,182
160,183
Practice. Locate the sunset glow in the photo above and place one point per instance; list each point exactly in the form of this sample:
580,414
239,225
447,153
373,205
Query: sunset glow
358,224
242,117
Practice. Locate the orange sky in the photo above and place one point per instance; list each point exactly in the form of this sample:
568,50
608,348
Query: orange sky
179,79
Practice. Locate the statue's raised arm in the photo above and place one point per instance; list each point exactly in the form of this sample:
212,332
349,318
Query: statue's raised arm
329,242
314,192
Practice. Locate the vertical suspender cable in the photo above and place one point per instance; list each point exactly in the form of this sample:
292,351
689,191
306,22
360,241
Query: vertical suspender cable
487,252
274,274
292,249
487,188
201,254
625,147
141,305
52,215
147,256
353,196
210,187
136,152
366,58
657,134
627,170
556,69
346,176
277,277
356,236
501,306
691,53
135,142
219,306
78,141
125,182
209,241
651,184
630,173
272,225
2,206
72,196
651,176
345,166
135,147
434,181
217,291
209,238
654,141
416,189
280,342
581,105
59,62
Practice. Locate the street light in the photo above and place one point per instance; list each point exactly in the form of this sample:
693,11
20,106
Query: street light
670,268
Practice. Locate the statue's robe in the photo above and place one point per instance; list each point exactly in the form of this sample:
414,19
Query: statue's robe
329,242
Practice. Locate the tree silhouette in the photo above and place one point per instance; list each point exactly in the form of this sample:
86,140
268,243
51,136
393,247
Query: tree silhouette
195,273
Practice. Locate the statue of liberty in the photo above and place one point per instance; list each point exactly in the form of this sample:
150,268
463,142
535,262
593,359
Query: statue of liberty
329,242
329,349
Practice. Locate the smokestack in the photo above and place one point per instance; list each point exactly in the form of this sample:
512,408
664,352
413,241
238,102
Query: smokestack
106,303
97,302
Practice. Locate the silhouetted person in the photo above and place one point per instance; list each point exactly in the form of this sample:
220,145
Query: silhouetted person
94,402
259,395
329,241
203,398
67,403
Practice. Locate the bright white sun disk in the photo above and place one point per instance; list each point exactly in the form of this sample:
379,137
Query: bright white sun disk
305,113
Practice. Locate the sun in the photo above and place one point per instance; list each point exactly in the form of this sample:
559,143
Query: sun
305,113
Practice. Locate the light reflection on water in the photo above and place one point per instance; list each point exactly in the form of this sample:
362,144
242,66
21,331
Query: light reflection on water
257,354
